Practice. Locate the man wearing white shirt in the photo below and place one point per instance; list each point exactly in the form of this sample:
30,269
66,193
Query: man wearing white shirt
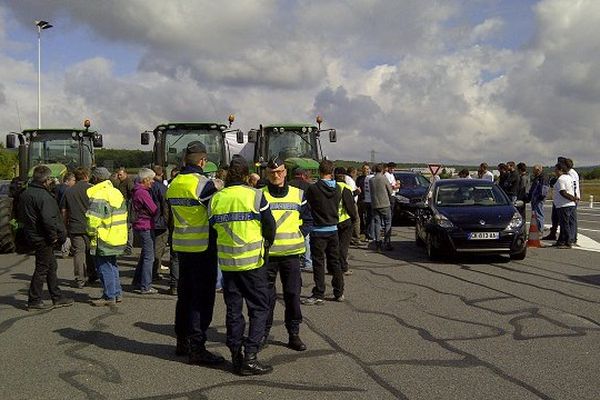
484,173
575,177
564,203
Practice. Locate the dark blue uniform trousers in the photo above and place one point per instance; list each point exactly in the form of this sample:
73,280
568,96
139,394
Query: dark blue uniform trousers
291,281
250,286
196,295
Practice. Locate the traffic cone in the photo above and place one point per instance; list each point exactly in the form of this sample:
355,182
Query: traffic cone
534,235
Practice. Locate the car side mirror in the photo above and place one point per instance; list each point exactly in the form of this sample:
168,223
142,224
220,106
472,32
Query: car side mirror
252,136
97,140
333,136
518,203
145,138
239,136
11,141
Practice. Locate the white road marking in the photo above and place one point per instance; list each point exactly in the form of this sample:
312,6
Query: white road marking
583,242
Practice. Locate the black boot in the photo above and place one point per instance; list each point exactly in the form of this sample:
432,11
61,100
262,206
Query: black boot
251,366
201,356
237,359
183,347
264,342
296,343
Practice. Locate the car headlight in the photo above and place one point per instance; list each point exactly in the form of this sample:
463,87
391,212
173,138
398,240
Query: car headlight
442,221
402,199
515,222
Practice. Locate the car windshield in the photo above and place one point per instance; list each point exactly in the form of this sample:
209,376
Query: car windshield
469,195
177,140
49,148
290,144
411,181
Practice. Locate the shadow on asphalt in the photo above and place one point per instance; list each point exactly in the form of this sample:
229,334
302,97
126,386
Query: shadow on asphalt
591,279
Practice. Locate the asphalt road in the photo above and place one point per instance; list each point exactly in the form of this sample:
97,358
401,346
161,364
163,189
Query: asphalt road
475,328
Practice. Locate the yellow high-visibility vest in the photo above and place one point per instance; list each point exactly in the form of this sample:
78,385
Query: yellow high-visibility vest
106,220
286,211
235,214
342,213
190,216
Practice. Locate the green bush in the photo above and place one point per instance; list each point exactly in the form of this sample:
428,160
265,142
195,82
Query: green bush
8,164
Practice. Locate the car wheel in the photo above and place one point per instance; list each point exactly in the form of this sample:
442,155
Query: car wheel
418,241
432,252
520,255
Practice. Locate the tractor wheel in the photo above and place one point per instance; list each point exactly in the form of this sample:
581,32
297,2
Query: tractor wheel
7,236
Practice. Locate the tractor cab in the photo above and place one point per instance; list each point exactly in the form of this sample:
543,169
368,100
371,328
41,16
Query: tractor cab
171,140
298,144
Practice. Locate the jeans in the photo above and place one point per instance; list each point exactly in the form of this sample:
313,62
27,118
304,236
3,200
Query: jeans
219,284
83,262
574,225
324,246
142,278
250,286
537,209
382,218
305,260
565,221
108,271
161,241
370,232
45,271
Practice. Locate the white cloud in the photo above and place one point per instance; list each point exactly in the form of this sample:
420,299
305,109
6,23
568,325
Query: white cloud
400,77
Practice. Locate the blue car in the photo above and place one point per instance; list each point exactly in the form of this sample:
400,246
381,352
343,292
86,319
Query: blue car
469,216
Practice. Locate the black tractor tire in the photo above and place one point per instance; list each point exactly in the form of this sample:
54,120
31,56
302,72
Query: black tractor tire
7,236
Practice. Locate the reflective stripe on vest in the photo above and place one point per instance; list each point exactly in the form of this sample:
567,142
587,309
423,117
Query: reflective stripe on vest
286,211
342,213
190,216
106,220
235,215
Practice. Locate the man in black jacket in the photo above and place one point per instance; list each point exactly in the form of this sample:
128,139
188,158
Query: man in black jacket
44,229
324,199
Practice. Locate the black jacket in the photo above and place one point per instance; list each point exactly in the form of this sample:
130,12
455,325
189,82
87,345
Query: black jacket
511,183
323,201
40,216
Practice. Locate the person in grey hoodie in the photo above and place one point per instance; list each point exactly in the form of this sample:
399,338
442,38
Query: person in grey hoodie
381,192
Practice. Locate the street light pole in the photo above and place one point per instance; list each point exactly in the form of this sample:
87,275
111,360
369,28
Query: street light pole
40,25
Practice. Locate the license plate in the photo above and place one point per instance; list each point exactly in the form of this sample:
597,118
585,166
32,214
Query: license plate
484,235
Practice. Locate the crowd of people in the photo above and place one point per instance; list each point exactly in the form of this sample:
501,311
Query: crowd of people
235,234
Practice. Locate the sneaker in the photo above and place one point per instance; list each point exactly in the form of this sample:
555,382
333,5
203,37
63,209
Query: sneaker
78,284
306,269
147,291
313,301
340,298
102,302
348,273
549,237
172,291
118,299
63,302
564,246
39,306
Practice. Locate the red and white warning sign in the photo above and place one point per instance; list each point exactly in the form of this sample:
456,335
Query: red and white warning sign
434,168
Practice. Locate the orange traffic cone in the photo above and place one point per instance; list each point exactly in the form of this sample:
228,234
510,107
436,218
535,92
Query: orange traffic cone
534,233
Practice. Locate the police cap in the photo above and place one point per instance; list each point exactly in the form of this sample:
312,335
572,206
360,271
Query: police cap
275,163
195,147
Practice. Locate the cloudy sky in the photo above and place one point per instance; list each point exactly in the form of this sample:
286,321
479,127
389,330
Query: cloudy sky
414,80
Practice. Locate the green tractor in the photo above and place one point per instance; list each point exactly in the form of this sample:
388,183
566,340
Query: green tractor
172,138
61,150
298,144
